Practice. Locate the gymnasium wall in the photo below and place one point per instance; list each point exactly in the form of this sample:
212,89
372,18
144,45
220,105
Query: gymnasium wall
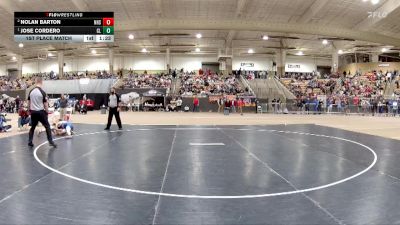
365,67
301,64
140,62
252,63
3,70
157,63
190,63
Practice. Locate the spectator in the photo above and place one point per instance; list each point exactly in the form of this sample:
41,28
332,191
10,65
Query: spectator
3,124
179,104
196,104
220,104
114,109
63,106
17,103
227,106
24,118
233,105
240,106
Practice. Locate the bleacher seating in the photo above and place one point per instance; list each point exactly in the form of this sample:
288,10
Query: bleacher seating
210,84
145,80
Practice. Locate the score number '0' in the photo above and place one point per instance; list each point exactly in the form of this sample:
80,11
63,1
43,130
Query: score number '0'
108,21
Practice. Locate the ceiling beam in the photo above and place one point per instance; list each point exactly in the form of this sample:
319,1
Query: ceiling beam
158,7
379,15
229,38
9,6
80,5
7,40
261,26
240,6
312,11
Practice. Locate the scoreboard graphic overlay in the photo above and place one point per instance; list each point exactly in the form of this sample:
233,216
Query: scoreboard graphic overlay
64,27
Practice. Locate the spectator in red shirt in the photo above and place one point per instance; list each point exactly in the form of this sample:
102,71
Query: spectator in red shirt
23,118
227,105
196,104
356,103
240,106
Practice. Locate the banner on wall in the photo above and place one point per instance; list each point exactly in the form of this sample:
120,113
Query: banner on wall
294,66
247,64
230,97
304,67
214,98
249,101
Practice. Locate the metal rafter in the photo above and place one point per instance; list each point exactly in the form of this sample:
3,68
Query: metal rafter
238,13
239,25
158,7
313,10
7,40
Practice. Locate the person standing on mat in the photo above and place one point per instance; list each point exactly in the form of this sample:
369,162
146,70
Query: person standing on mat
63,106
113,109
38,106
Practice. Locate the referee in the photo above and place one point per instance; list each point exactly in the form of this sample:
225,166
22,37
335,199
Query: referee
38,106
114,108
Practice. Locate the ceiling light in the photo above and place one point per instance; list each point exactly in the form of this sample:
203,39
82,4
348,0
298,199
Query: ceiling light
340,52
197,49
325,42
265,37
365,0
131,37
93,51
144,50
49,54
20,45
384,50
250,51
198,35
375,1
14,58
300,53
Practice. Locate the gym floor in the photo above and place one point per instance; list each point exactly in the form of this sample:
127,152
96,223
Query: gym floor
270,174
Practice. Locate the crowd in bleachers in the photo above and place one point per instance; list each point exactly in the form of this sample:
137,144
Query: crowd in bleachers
145,80
366,85
9,104
7,84
251,75
348,104
363,85
359,93
74,75
397,86
315,86
303,76
208,83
